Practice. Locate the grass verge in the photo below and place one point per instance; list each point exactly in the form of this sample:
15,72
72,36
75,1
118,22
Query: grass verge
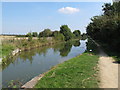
8,46
78,72
7,49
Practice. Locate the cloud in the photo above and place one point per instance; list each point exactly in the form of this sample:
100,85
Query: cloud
68,10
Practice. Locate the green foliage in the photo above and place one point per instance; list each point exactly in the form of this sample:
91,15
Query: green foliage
29,34
78,72
66,49
92,46
106,28
34,34
20,35
65,30
58,36
30,38
77,34
108,9
45,33
76,43
7,49
83,36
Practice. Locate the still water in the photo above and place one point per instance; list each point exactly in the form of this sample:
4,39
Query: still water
29,64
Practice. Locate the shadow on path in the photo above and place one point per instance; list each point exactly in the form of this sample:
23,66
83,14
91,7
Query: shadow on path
108,70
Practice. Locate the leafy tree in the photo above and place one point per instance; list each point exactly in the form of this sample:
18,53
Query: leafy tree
83,36
45,33
106,28
65,30
40,34
55,33
34,34
77,34
29,35
108,9
58,36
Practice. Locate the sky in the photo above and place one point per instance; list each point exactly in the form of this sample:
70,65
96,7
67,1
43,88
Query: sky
23,17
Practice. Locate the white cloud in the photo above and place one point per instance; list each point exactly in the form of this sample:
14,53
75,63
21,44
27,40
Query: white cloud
68,10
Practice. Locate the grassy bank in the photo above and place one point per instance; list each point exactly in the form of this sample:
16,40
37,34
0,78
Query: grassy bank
78,72
9,45
7,49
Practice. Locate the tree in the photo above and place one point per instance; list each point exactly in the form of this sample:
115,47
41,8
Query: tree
106,28
65,30
45,33
34,34
55,33
77,34
29,35
83,36
58,36
40,34
108,9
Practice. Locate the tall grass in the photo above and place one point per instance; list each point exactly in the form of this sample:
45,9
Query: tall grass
8,45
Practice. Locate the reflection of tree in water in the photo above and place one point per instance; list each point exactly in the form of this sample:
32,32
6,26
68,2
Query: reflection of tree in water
91,46
57,47
29,54
25,55
42,50
67,47
76,43
63,48
8,61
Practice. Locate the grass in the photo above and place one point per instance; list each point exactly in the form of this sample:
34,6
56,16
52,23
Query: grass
7,49
78,72
8,46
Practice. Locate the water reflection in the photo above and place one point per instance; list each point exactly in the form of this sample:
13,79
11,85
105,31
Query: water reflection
66,49
29,64
63,48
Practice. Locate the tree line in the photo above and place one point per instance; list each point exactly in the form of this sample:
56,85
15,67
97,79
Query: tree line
65,33
105,28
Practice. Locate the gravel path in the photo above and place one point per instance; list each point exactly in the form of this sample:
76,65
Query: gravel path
108,70
108,73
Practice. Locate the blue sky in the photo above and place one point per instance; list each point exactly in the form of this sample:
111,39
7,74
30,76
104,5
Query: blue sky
23,17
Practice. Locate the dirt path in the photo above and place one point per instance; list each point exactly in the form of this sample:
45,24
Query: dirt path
108,73
108,70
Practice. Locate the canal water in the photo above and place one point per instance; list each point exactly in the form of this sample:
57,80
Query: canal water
29,64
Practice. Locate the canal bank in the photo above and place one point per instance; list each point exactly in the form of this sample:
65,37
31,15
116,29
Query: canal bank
16,48
65,71
31,63
78,72
26,45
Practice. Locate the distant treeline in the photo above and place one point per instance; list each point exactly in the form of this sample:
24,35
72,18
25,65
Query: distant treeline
106,27
64,34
